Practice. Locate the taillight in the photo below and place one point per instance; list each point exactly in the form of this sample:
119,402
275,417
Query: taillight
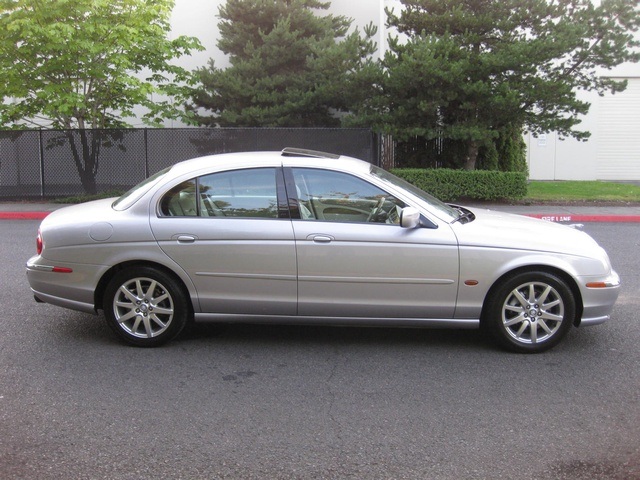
39,243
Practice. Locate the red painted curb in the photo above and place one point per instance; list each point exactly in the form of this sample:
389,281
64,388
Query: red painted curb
23,215
563,217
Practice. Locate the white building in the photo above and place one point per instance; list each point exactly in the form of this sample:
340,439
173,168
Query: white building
612,152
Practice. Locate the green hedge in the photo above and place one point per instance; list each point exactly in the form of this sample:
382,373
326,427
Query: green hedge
453,185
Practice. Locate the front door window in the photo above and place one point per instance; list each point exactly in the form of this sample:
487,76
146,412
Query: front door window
338,197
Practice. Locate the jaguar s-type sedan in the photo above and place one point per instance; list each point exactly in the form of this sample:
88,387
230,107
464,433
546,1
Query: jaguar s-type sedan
308,238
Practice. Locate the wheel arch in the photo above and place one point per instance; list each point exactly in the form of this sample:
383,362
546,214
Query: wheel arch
562,274
109,274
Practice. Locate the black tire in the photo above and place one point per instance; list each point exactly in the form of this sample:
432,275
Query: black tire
145,306
530,312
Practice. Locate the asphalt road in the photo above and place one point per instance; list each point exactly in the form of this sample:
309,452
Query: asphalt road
307,402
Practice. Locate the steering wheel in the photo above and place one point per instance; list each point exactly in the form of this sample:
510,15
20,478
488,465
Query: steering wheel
376,210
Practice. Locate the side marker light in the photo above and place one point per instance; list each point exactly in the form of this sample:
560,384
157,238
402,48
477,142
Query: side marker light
62,270
602,284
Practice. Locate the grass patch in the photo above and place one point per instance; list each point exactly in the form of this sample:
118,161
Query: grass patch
583,191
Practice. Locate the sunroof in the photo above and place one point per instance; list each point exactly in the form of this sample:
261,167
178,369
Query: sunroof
303,152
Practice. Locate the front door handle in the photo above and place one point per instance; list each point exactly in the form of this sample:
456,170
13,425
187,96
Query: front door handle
321,238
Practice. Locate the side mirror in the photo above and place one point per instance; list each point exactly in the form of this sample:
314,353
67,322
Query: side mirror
409,217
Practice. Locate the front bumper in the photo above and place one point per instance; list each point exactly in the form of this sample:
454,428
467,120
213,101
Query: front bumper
598,302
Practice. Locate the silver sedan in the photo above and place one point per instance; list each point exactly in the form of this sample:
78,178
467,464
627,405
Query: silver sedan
310,238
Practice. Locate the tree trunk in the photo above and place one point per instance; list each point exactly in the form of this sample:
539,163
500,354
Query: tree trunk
86,161
89,183
472,155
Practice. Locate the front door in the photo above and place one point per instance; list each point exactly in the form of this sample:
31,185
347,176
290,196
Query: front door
354,260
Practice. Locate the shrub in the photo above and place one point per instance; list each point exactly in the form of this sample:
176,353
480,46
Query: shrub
453,185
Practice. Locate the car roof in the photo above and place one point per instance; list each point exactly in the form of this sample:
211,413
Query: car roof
290,157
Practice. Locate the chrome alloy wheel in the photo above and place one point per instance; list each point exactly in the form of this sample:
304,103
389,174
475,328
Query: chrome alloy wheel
143,307
533,312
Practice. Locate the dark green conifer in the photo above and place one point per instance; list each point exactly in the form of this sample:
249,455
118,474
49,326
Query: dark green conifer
289,66
469,71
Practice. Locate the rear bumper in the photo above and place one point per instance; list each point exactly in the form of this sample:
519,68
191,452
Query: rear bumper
64,302
71,287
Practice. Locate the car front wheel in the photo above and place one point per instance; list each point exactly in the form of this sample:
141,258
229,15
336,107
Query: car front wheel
531,312
145,306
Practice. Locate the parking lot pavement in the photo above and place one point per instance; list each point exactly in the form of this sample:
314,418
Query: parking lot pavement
553,213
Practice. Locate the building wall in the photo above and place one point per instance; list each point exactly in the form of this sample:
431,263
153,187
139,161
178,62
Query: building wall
551,157
618,149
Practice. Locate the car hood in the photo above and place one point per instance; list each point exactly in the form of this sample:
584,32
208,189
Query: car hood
506,230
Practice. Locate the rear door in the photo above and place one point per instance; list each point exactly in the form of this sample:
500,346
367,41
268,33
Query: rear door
233,236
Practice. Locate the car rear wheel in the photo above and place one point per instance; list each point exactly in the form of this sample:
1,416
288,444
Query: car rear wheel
145,306
531,312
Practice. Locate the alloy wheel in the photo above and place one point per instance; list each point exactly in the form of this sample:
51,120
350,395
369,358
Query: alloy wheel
143,307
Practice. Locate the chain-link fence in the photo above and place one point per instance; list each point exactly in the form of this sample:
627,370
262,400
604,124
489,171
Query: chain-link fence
53,163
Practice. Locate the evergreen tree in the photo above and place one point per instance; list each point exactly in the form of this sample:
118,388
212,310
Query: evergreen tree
470,71
289,66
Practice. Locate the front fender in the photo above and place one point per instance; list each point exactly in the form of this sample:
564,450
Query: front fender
481,267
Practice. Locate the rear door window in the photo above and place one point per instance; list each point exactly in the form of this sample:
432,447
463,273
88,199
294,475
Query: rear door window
249,193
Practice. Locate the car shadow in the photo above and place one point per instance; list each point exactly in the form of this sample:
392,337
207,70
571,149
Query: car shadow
199,333
82,329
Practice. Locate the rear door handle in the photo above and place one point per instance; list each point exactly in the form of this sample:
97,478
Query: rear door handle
186,238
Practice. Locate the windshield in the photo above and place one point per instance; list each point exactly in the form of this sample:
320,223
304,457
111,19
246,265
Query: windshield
434,204
129,198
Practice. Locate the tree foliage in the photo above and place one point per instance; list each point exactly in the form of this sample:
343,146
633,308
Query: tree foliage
289,65
87,64
468,70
